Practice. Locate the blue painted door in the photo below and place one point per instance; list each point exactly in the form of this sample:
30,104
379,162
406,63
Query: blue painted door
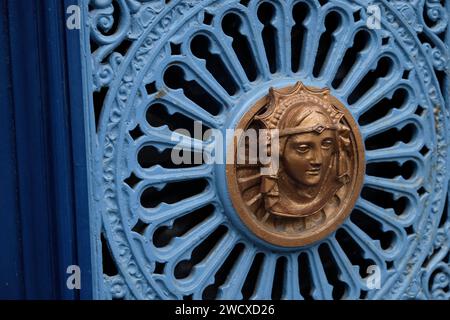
167,231
44,220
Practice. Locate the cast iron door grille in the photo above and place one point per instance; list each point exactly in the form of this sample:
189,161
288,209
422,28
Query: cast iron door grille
163,230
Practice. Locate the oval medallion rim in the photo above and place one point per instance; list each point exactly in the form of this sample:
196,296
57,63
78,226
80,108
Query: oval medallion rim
248,219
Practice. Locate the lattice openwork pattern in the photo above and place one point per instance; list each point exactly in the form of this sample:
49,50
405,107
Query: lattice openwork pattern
165,229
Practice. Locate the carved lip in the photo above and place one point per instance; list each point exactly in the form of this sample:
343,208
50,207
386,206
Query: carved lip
313,172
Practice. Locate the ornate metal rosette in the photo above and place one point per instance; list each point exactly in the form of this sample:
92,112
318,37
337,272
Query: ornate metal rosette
172,231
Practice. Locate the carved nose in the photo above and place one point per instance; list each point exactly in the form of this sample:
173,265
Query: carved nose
316,159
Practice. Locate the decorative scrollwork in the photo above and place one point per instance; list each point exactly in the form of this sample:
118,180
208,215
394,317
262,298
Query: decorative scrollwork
155,58
436,12
436,272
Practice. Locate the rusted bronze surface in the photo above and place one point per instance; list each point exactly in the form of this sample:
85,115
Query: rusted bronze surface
320,172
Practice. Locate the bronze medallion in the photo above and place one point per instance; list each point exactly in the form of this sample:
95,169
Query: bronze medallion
319,172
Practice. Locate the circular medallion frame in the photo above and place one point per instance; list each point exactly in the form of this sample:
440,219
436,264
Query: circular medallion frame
304,230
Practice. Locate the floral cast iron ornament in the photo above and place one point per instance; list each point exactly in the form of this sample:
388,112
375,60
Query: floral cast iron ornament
320,165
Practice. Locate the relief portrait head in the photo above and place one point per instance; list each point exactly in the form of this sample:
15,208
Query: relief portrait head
306,157
313,154
319,163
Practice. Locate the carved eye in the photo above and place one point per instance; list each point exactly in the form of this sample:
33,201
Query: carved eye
303,148
327,144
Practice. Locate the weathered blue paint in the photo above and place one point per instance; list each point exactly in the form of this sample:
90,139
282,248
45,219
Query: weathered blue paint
76,101
136,46
44,211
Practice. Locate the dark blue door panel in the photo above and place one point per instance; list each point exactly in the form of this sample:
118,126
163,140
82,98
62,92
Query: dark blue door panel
11,275
43,208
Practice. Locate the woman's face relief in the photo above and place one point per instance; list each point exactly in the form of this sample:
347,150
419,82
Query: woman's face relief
307,157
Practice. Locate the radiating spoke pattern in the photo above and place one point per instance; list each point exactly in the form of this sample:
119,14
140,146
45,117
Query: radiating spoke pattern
237,49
